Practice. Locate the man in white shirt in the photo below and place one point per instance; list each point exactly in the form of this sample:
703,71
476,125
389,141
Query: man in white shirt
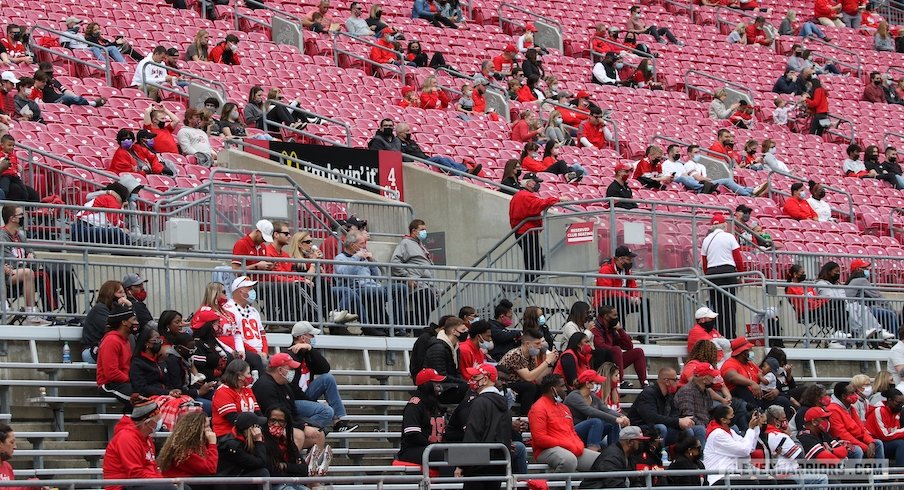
244,333
823,209
154,74
721,254
673,166
355,25
697,171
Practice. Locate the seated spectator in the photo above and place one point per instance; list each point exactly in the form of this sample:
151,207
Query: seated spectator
862,288
786,84
523,367
226,51
337,300
873,92
253,245
790,27
180,371
25,108
107,227
883,172
475,351
374,295
725,145
718,109
432,97
554,439
581,105
384,50
423,418
49,90
287,296
822,209
575,359
504,62
622,294
416,55
797,206
533,65
150,72
853,166
385,138
20,275
193,137
431,12
527,127
145,374
598,41
242,450
749,158
412,148
122,47
510,175
884,424
410,97
828,13
556,131
742,375
619,189
130,454
643,76
243,331
585,404
419,350
693,402
635,25
892,167
758,33
197,50
233,397
688,454
621,457
465,102
191,449
846,426
529,92
606,71
254,109
451,9
815,439
504,340
95,323
743,117
323,21
375,19
525,41
134,157
442,356
211,357
648,170
655,409
705,329
279,114
114,356
738,35
230,123
608,334
786,450
882,39
12,47
724,447
550,162
769,149
285,455
595,132
697,171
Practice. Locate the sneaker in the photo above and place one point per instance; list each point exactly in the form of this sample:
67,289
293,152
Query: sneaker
36,320
760,189
841,335
476,170
342,316
835,345
343,426
680,44
313,459
626,385
325,458
570,176
885,334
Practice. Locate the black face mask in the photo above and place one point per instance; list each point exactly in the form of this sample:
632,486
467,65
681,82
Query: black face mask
378,15
835,278
17,36
155,347
656,160
802,277
728,144
708,325
386,132
518,172
537,187
161,124
627,266
892,159
611,322
819,195
877,82
462,336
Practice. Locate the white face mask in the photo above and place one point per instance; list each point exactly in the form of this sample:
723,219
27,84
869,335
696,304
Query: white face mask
867,391
772,150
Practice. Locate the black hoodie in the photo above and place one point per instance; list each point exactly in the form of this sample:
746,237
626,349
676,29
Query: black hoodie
489,421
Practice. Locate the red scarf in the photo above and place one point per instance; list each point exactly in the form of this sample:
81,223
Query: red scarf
713,425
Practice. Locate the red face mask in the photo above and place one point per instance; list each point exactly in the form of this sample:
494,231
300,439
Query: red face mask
852,398
825,401
824,426
586,350
221,300
249,380
277,430
672,389
140,295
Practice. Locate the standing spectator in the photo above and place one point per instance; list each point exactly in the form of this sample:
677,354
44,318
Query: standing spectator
635,25
797,206
655,408
525,212
609,334
693,401
489,420
374,295
504,339
721,254
817,101
554,439
130,454
191,449
828,13
852,12
227,51
524,366
724,447
412,251
163,123
618,457
619,189
233,397
846,424
114,356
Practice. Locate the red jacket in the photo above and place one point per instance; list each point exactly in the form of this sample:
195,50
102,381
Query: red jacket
847,426
884,425
123,161
819,103
551,425
521,132
823,8
698,333
469,355
130,454
799,209
604,338
598,44
626,288
196,465
526,204
113,359
873,93
13,169
216,54
434,100
525,94
645,166
383,55
528,164
572,117
757,36
851,7
720,148
804,299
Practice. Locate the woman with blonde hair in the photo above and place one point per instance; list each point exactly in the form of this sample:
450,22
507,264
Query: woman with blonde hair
881,383
301,247
197,50
191,448
883,40
555,129
863,388
609,390
214,299
432,97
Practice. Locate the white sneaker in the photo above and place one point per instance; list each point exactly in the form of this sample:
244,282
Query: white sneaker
343,316
885,334
36,320
841,335
870,333
313,459
835,345
325,457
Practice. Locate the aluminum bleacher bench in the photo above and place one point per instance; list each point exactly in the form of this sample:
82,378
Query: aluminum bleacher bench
55,472
56,403
92,455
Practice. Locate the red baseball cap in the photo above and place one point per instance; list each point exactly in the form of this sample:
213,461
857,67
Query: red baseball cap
816,413
202,316
704,369
530,27
582,94
283,359
859,264
717,219
487,370
511,48
590,376
426,375
622,166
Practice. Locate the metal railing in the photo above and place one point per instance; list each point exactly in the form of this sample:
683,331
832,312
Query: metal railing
834,128
886,271
891,10
652,60
220,86
102,66
690,7
517,8
849,213
857,68
614,124
399,69
238,16
269,123
688,86
720,22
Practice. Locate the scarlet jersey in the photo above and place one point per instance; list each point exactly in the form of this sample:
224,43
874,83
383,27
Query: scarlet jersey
228,400
244,329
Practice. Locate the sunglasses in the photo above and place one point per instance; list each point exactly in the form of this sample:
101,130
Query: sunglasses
307,241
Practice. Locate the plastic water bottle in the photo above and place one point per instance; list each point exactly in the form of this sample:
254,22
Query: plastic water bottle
67,354
665,458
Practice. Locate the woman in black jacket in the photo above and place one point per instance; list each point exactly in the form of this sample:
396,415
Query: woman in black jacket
242,451
284,457
181,374
145,373
210,358
504,339
95,324
442,355
688,456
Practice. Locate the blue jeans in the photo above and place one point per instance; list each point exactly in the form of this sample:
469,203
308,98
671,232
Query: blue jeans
611,432
206,405
112,51
325,384
819,482
669,436
895,452
811,29
590,431
689,182
899,182
888,318
519,458
449,163
855,453
87,357
317,413
71,99
85,233
349,300
734,186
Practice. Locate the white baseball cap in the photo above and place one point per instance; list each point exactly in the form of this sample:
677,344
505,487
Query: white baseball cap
9,76
242,282
266,228
704,312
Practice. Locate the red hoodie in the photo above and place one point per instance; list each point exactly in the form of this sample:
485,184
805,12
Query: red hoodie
113,358
526,204
123,161
618,288
847,426
799,209
130,454
552,425
884,425
196,464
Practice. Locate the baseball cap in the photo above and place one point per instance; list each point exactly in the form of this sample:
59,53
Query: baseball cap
356,222
815,413
773,364
266,228
622,166
426,375
743,208
582,94
242,282
510,48
487,370
283,359
859,264
590,376
132,279
246,420
480,80
704,312
624,251
530,27
632,432
9,76
144,134
172,52
73,20
304,328
704,369
532,176
718,218
202,316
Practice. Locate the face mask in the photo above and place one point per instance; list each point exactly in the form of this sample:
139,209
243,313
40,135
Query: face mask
126,144
750,355
824,401
824,426
290,376
140,295
533,351
852,398
542,320
486,345
586,349
835,277
877,82
671,390
803,277
386,132
232,46
462,336
249,380
866,273
234,115
17,36
619,65
156,346
803,194
893,408
595,387
161,125
73,29
135,329
728,144
378,15
892,159
422,235
708,325
312,342
474,385
252,296
867,391
697,157
556,396
475,320
506,321
772,151
222,300
133,197
537,187
628,266
277,431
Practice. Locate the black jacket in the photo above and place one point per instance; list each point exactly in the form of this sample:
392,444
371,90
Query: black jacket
423,423
652,407
270,394
95,325
529,68
784,86
315,363
683,463
177,374
615,189
210,361
440,356
489,420
378,142
612,458
147,376
141,311
419,351
235,460
295,465
504,339
410,147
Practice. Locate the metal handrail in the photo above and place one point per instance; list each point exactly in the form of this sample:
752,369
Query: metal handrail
260,6
504,5
294,108
841,120
397,69
892,13
852,217
187,74
858,67
105,67
896,134
615,133
687,6
704,150
725,82
892,230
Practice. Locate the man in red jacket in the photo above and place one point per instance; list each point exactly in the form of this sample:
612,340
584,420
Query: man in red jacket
845,424
525,204
115,354
621,292
757,34
130,453
797,206
554,439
